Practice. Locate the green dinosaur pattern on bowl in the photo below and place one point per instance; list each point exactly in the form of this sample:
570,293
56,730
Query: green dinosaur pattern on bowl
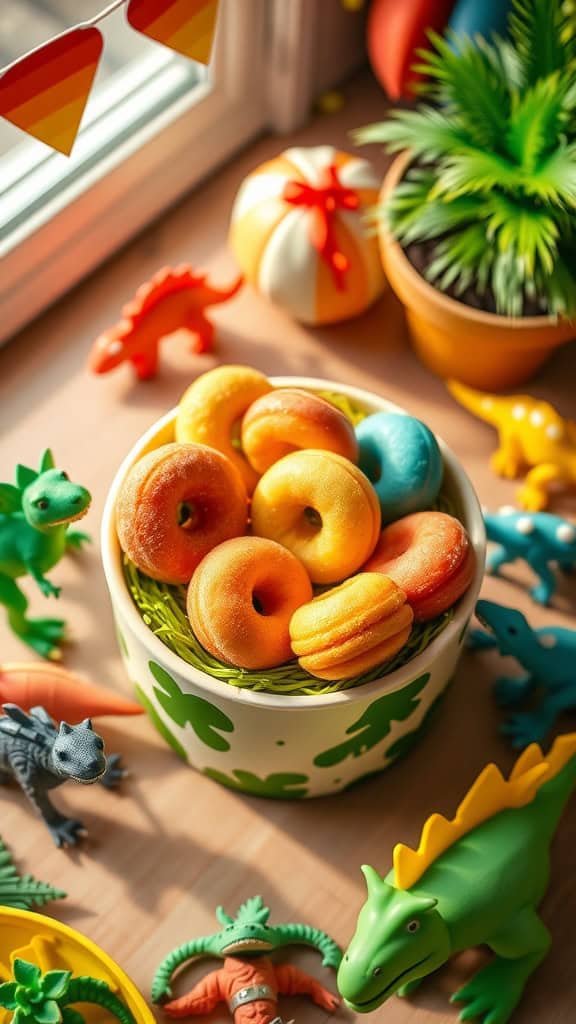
280,785
159,724
206,719
375,723
404,744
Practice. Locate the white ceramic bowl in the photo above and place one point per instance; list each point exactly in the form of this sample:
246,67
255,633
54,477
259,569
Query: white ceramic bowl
287,746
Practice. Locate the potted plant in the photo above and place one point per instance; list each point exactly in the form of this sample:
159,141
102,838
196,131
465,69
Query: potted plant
478,213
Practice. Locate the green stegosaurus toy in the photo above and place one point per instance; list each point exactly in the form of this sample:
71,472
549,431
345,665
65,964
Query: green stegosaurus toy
477,879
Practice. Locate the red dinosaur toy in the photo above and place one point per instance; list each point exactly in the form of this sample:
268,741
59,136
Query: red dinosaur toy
174,299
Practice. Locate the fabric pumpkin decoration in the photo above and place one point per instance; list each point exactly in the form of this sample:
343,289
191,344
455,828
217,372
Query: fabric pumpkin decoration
299,233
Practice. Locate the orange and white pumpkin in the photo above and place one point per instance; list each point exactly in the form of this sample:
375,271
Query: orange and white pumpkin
298,233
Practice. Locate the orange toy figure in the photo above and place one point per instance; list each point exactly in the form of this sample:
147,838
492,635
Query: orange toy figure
63,694
247,981
176,298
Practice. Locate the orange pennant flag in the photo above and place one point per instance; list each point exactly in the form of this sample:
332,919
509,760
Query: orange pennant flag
46,92
187,26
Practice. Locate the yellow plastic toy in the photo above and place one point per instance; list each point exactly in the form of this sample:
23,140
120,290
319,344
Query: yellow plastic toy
299,233
531,434
52,945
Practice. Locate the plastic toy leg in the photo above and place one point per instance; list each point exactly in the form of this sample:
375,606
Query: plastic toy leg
145,365
533,495
478,640
507,460
114,772
42,635
493,994
410,987
511,690
533,726
76,538
497,558
202,332
544,590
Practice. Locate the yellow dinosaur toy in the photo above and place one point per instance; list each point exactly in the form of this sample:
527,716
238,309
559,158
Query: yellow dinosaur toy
531,433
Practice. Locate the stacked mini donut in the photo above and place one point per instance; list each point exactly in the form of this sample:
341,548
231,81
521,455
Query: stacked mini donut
270,492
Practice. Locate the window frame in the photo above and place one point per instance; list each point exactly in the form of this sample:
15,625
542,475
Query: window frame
93,215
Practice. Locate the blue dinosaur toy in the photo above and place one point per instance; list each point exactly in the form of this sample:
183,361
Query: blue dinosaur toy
538,538
548,655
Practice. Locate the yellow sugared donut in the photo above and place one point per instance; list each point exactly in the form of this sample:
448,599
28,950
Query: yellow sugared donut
289,419
176,503
321,507
350,629
211,409
241,599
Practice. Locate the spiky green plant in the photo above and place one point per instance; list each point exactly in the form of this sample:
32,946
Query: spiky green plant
22,891
493,179
36,998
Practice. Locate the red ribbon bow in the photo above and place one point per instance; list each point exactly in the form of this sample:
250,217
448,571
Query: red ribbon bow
323,203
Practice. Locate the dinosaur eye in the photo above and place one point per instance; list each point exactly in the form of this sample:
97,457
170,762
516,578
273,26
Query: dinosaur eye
376,972
512,630
413,926
64,476
42,503
99,743
62,755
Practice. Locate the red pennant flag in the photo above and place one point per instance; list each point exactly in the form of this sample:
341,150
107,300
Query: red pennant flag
187,26
46,92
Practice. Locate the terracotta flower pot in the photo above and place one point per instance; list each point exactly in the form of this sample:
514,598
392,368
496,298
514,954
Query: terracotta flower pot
484,350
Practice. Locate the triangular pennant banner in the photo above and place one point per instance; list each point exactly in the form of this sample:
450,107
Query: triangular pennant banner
45,93
187,26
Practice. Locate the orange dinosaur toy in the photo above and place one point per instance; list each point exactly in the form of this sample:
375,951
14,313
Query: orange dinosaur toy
174,299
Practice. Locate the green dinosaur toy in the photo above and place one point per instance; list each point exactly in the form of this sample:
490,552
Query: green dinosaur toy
34,534
36,998
477,879
246,935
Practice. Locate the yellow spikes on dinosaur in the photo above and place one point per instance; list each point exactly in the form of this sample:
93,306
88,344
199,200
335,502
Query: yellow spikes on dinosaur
489,794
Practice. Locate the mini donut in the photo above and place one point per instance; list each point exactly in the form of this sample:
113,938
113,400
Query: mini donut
176,503
211,410
401,458
429,555
350,629
321,507
241,599
289,419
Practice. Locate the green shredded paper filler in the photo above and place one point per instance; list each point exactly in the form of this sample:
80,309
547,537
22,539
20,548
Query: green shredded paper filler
163,609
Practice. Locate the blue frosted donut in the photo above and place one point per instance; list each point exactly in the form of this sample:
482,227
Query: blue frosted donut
401,457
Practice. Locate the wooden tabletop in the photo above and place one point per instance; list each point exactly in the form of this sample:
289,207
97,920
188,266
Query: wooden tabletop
163,854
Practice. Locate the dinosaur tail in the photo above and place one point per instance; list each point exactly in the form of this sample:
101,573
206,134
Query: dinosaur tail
487,407
212,296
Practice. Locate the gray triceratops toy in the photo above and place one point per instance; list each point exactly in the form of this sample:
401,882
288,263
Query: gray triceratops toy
40,756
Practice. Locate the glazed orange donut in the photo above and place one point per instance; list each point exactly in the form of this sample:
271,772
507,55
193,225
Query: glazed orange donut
350,629
241,599
289,419
176,503
321,507
429,555
211,410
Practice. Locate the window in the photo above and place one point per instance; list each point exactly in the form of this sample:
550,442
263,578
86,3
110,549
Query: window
155,123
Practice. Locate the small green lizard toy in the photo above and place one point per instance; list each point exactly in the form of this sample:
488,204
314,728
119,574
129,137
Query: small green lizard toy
34,534
477,879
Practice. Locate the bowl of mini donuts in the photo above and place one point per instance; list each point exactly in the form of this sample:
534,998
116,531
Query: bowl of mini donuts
292,565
